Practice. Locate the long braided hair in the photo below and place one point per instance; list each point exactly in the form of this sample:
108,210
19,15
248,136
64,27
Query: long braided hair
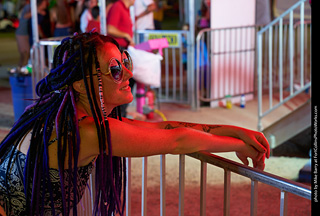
56,109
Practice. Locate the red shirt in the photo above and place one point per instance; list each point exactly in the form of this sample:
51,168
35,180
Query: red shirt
119,17
93,24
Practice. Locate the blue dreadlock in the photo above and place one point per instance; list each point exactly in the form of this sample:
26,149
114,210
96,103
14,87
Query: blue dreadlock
56,110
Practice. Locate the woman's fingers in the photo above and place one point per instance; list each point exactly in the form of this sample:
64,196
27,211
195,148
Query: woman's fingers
264,142
243,158
257,157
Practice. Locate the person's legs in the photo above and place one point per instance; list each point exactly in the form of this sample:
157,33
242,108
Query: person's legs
24,49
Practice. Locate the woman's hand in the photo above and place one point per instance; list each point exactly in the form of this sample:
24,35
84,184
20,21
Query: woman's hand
256,140
248,151
256,147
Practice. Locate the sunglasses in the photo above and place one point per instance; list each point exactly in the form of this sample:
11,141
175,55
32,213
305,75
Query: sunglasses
115,67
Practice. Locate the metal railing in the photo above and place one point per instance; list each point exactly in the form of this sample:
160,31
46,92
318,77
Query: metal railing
225,60
176,77
283,59
284,185
42,59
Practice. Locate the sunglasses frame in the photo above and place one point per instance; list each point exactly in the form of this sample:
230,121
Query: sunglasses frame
119,64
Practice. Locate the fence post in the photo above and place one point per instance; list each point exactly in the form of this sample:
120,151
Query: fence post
203,188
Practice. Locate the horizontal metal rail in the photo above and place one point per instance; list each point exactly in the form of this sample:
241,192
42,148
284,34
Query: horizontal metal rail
254,174
284,185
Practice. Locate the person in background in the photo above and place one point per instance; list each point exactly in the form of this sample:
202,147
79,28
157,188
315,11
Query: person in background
109,4
143,10
95,22
159,13
60,15
119,23
44,25
119,26
75,124
22,39
24,34
86,15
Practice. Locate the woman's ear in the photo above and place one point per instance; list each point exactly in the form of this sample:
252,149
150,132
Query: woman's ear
79,86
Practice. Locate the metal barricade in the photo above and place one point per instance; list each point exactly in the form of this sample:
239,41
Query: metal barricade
284,185
42,59
176,79
225,60
283,59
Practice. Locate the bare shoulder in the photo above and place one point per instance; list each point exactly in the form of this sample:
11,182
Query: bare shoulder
89,146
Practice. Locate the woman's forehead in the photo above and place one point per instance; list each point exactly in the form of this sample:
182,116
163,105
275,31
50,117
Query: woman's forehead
109,50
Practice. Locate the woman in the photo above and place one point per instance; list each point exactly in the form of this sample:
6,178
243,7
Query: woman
47,157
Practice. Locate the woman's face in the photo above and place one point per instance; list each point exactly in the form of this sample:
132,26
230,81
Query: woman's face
115,94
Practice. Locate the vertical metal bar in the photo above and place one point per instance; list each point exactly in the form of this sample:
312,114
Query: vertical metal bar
302,45
49,54
283,203
144,186
246,59
200,60
174,74
182,163
265,55
198,86
218,59
236,68
207,67
128,187
281,59
181,69
203,188
275,53
291,51
228,64
241,66
270,66
285,49
254,197
227,184
162,185
191,90
42,63
167,74
34,22
103,18
259,70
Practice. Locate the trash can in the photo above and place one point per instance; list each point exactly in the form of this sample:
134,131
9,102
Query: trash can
21,91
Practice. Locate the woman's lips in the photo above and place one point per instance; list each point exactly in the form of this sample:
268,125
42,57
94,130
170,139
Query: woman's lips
125,88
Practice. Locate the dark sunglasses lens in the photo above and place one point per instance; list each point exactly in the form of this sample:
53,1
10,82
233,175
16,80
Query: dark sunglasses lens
115,69
126,60
116,72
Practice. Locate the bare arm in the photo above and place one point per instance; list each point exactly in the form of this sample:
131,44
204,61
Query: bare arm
130,140
254,138
151,7
115,32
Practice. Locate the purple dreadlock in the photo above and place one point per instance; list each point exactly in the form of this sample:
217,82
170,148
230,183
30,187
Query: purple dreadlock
56,109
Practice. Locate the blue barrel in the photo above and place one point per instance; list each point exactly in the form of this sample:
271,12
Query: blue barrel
21,91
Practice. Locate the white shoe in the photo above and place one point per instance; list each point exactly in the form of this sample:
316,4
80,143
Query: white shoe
24,70
14,70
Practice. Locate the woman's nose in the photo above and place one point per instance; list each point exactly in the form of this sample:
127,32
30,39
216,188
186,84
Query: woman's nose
127,74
